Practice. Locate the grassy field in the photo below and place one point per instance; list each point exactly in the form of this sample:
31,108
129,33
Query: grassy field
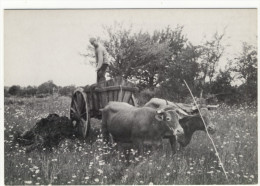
76,162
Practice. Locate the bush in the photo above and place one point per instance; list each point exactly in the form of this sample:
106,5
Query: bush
46,88
29,91
67,90
6,94
14,90
42,95
145,95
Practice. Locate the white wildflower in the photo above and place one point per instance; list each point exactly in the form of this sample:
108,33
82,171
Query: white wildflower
28,182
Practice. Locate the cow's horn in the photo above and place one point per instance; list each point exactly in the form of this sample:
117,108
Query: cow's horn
182,112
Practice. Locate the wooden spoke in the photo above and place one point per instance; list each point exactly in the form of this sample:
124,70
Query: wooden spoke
84,113
76,106
72,109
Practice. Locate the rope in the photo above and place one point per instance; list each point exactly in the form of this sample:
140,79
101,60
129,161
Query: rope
217,154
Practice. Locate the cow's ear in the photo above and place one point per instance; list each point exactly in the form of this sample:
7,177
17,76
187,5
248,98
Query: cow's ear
159,117
180,115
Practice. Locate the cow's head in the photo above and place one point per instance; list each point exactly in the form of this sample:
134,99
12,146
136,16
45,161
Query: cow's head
171,118
195,122
206,117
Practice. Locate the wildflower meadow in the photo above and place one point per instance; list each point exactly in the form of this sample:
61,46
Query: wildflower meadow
77,162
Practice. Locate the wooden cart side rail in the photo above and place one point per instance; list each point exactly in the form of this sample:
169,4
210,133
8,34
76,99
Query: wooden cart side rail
111,88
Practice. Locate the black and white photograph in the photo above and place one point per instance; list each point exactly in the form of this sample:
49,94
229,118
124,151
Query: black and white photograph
146,96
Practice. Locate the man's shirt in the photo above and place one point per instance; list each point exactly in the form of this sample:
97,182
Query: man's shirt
101,56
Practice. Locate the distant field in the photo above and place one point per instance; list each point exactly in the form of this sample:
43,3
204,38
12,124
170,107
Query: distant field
75,162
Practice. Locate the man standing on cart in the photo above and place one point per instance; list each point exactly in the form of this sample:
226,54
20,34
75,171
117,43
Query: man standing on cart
101,59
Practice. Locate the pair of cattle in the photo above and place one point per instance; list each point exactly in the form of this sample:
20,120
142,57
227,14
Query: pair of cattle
149,124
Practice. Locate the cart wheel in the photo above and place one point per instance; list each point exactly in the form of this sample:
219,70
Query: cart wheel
79,113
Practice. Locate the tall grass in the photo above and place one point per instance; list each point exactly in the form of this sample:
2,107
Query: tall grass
77,162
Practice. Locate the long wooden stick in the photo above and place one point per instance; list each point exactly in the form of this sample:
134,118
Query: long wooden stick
217,154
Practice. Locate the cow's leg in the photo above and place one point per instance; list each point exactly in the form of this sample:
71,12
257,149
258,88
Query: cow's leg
127,154
158,146
181,147
111,139
173,143
105,133
141,148
150,148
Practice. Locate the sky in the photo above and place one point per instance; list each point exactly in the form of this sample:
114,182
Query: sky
42,45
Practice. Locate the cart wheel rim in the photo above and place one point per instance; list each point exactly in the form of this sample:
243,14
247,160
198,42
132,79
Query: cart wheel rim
79,112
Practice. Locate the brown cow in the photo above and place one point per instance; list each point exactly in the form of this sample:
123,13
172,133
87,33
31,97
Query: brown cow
139,126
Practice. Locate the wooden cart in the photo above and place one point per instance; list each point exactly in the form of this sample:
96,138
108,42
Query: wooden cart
87,101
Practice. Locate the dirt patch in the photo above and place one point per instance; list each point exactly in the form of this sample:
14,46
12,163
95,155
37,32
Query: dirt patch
48,133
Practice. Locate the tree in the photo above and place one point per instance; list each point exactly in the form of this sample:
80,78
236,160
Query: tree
14,90
28,91
222,89
46,88
161,60
183,67
6,94
67,90
163,49
31,90
152,61
122,49
211,52
142,56
222,84
245,67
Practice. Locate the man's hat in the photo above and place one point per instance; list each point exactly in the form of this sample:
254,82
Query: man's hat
91,40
